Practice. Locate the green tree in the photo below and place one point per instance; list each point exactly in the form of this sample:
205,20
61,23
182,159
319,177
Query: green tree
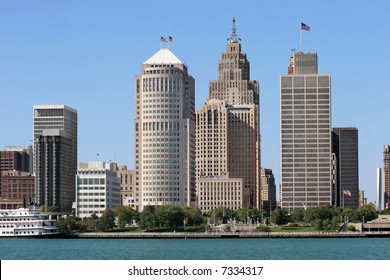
297,216
221,214
324,217
169,216
106,221
279,217
386,211
367,211
90,223
318,224
351,228
125,215
347,214
320,213
68,224
193,216
248,211
148,218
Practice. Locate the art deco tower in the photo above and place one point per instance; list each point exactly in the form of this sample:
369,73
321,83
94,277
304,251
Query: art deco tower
305,134
227,135
234,84
164,132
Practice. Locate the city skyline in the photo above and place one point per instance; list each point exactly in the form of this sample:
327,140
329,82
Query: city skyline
86,56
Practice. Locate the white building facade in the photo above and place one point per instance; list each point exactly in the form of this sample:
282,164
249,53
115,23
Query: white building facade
97,188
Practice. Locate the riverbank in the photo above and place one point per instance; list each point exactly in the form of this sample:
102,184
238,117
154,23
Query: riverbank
187,235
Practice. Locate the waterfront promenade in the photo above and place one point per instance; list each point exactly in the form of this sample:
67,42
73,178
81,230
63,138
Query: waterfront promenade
185,235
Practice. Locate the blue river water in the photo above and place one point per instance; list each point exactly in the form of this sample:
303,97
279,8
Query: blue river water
197,249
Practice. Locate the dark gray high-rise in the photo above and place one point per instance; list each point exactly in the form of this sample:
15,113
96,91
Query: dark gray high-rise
55,155
346,150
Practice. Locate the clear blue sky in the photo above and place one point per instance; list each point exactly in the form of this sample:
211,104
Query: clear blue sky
85,54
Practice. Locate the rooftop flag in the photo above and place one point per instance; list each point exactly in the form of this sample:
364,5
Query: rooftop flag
171,39
305,27
163,39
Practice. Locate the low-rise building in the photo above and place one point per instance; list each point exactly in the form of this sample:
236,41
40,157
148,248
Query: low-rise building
97,188
221,191
16,188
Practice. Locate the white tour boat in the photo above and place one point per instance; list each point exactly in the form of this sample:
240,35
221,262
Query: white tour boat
26,222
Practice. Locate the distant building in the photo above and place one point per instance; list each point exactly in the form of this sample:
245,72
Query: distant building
165,132
379,189
386,171
97,188
346,149
268,190
16,182
306,177
362,199
16,188
128,194
17,159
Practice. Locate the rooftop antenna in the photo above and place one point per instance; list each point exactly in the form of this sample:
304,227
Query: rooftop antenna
233,37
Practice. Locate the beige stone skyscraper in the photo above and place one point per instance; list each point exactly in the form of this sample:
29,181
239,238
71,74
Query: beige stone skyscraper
227,135
164,132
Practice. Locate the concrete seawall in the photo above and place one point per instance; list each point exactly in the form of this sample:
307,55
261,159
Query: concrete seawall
186,235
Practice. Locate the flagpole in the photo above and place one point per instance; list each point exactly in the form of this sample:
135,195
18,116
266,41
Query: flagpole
300,40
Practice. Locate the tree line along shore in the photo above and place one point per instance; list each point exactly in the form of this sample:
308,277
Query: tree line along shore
173,219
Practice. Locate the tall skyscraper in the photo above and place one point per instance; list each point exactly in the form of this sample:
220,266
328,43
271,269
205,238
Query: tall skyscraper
234,84
346,150
228,134
306,179
386,171
59,117
55,155
165,132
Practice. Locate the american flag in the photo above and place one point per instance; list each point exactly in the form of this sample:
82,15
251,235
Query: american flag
163,39
347,193
171,39
305,27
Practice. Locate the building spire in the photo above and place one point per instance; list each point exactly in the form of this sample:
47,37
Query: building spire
233,37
